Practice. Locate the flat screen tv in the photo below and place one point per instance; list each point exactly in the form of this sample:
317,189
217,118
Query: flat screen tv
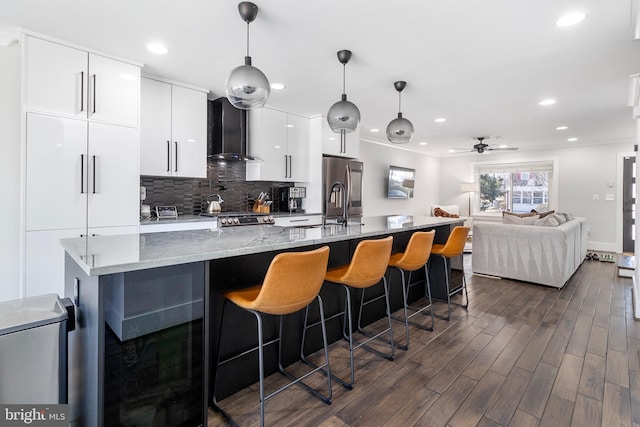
401,182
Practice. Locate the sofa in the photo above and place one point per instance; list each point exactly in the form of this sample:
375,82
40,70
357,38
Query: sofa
547,255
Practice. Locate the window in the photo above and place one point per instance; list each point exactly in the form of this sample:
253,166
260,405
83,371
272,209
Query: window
515,187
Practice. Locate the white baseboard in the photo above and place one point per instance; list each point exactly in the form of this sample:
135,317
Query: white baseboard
601,246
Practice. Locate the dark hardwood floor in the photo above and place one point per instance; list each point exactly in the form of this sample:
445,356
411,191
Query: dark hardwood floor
522,355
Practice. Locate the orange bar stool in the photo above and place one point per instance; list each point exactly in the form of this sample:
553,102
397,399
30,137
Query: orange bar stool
454,247
415,257
292,282
366,269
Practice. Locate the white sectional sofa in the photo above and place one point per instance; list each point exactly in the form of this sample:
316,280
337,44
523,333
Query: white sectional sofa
538,254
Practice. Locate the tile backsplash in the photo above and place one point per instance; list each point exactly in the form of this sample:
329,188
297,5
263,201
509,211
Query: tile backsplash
189,195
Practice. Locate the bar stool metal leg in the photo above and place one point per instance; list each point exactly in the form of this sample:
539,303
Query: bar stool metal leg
462,289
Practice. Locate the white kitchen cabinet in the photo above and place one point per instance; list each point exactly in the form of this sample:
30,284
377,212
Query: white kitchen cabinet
332,145
45,255
44,261
281,141
173,130
80,174
71,82
56,180
113,177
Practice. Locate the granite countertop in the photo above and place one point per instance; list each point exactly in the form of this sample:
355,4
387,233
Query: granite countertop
116,254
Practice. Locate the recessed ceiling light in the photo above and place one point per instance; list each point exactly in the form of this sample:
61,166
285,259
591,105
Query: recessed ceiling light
276,146
503,146
332,139
571,18
277,86
451,150
157,48
572,139
374,130
423,143
562,128
290,126
547,102
440,120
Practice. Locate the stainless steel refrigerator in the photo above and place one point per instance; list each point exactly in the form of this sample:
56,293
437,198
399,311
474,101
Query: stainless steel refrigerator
342,188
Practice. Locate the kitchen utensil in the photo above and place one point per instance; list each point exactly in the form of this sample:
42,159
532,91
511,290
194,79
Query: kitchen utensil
213,206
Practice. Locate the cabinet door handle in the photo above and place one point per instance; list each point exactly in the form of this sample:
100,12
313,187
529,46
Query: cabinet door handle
290,166
81,90
81,173
94,94
168,156
94,174
286,166
176,165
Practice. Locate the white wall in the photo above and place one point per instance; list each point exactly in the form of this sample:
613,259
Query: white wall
581,173
377,158
10,161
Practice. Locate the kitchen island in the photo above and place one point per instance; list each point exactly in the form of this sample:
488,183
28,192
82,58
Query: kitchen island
133,358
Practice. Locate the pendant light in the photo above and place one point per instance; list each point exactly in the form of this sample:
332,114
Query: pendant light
400,130
247,87
343,116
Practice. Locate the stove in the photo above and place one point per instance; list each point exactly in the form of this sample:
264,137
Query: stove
234,219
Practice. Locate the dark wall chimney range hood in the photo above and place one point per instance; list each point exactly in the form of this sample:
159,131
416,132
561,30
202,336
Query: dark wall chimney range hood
227,132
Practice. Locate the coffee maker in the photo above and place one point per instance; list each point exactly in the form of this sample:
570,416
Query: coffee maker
291,198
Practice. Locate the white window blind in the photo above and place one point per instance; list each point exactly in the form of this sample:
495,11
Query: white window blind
542,166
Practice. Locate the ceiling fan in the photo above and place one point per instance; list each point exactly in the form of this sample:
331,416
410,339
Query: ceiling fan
483,148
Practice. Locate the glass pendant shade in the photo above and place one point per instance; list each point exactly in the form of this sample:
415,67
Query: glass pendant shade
400,130
343,116
247,87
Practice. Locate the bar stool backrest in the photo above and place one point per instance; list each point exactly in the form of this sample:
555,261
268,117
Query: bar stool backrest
418,250
292,281
369,263
455,242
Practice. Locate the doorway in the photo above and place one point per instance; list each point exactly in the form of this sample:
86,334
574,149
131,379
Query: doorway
628,203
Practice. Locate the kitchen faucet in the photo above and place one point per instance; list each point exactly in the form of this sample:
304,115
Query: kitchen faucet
335,187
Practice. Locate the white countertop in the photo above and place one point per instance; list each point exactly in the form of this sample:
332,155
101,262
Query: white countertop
115,254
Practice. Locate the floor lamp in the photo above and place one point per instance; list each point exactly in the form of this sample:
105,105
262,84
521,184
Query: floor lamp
469,187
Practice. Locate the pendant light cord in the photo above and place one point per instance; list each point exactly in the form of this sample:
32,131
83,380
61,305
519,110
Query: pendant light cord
247,38
399,102
344,78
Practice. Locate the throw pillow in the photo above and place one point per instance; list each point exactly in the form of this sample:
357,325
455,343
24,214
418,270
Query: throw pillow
560,217
547,221
444,214
452,209
518,220
542,214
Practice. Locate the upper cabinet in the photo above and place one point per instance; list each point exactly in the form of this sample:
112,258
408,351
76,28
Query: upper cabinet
334,146
173,130
281,143
71,82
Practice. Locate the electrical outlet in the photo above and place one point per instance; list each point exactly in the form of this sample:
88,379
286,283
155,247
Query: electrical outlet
596,197
608,197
